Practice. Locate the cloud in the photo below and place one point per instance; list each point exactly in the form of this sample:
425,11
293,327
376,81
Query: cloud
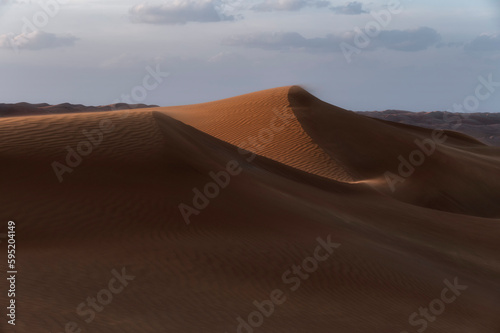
408,40
484,43
14,2
288,5
36,40
284,41
179,12
400,40
350,8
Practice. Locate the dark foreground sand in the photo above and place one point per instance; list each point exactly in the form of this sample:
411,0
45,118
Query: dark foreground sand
319,172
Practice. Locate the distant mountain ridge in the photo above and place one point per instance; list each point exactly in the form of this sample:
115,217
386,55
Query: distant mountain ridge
482,126
27,109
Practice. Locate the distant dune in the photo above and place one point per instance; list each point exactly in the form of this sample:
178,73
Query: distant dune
414,216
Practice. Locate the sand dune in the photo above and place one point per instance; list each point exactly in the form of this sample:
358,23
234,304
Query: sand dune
320,175
263,123
331,142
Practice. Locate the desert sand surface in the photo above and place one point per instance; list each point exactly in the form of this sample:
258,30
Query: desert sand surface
302,170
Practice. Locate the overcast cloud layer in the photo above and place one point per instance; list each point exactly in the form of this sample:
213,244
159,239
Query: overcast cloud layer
411,40
360,55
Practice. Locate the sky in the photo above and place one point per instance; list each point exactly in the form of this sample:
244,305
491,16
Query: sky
423,55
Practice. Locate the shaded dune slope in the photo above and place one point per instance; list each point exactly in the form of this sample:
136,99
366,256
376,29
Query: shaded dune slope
119,208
